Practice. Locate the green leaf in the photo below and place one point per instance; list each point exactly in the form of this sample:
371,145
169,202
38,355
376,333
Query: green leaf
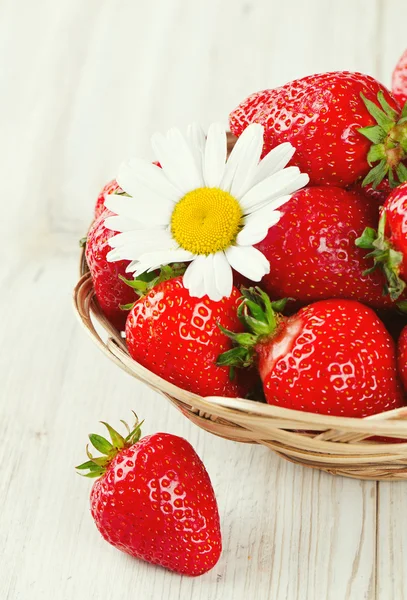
120,192
374,133
100,443
93,474
235,357
271,317
138,284
390,112
402,305
118,440
392,181
135,435
259,327
404,112
401,171
279,305
379,116
82,242
245,339
255,310
89,464
127,306
230,334
367,238
376,152
376,175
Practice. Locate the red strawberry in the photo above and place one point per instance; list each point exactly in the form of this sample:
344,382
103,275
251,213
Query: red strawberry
402,356
399,80
312,250
388,244
178,338
110,188
332,357
331,119
376,195
110,290
154,500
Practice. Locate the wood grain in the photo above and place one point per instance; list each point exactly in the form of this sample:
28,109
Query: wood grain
84,84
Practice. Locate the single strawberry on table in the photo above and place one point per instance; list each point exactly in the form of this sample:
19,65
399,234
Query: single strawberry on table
388,242
333,357
177,337
340,123
153,499
312,250
399,80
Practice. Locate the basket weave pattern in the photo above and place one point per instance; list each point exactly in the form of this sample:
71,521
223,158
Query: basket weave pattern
337,445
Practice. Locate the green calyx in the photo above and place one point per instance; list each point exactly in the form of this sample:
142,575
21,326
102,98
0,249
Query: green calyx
261,318
148,280
389,143
384,257
96,466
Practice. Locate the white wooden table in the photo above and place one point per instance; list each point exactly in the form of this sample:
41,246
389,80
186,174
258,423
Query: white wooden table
83,86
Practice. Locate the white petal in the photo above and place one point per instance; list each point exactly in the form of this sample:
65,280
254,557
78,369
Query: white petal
153,260
248,261
274,161
251,235
133,251
123,206
238,155
215,155
282,183
177,160
117,223
257,225
161,237
248,164
196,140
140,178
210,280
146,210
223,274
194,277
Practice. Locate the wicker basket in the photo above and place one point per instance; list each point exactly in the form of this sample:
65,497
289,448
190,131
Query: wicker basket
337,445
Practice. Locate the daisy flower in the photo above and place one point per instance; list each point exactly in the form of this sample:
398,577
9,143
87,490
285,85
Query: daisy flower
201,207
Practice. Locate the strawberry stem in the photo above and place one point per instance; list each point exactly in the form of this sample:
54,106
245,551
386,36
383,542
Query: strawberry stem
261,318
389,143
97,465
148,280
384,257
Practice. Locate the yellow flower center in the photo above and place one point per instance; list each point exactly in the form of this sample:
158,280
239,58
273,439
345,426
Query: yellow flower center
206,220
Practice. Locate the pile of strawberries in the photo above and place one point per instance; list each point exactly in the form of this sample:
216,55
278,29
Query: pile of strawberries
324,331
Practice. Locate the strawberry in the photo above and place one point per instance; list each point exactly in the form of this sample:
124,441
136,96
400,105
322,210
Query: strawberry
110,188
110,290
402,356
388,244
312,250
399,80
153,499
376,195
177,337
332,357
332,119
